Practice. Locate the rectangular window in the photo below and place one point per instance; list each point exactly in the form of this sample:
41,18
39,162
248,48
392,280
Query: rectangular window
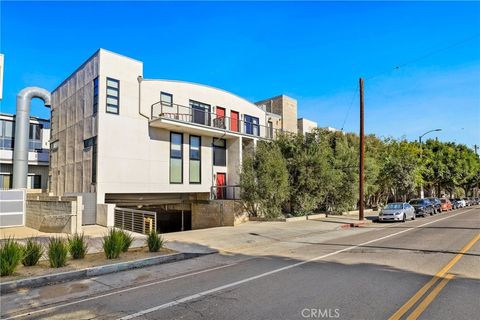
219,152
6,181
92,143
252,125
7,132
113,96
166,99
95,95
200,112
176,157
195,159
34,182
34,139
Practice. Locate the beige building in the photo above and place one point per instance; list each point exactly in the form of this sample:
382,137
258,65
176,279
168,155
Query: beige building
159,145
305,126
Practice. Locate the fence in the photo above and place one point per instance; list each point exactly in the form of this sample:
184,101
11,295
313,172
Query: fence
12,208
232,192
139,221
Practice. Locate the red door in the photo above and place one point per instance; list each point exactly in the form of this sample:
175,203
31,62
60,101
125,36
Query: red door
220,120
221,181
234,121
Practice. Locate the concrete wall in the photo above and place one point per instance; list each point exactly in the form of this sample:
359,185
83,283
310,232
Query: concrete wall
219,213
54,214
106,214
72,122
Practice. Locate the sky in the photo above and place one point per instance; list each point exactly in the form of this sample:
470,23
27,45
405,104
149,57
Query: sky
420,60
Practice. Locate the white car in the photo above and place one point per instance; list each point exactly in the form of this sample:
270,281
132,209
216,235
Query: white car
461,203
397,211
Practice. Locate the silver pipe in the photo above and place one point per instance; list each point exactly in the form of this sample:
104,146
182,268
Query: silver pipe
22,125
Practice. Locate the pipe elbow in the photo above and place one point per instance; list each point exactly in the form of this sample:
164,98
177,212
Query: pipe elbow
35,92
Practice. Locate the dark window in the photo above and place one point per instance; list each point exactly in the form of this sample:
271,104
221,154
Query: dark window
95,95
200,112
34,137
92,143
35,182
219,152
176,157
113,96
195,164
252,125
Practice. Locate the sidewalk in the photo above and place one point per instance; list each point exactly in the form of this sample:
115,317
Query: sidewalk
253,234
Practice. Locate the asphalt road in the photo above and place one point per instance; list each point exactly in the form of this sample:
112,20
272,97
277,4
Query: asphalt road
423,269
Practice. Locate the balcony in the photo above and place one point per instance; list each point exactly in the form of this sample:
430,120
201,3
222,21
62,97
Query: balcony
173,116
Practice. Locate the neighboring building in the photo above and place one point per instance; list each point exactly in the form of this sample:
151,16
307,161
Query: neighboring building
1,75
160,145
282,111
305,125
38,155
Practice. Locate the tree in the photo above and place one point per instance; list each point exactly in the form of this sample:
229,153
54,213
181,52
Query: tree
264,181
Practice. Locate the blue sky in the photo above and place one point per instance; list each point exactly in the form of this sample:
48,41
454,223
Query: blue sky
312,51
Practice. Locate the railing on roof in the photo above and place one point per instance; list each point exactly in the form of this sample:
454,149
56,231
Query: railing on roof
206,118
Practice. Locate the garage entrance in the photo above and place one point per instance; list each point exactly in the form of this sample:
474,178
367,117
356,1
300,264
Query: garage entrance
173,220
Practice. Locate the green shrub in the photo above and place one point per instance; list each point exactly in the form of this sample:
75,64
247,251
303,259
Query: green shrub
78,246
11,254
113,244
33,251
57,252
127,239
154,241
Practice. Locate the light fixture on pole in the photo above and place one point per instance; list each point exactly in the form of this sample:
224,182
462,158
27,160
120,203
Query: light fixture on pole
422,194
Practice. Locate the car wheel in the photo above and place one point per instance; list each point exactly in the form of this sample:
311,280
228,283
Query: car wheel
404,217
413,216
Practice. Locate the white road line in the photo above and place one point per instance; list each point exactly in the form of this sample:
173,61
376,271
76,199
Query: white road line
120,291
236,283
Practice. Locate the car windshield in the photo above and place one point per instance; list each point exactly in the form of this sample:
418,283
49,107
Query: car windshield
414,202
444,200
394,206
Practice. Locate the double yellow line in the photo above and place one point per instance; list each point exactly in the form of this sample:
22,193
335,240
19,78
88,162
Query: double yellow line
442,274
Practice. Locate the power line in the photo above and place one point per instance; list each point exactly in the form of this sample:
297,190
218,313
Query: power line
426,55
355,91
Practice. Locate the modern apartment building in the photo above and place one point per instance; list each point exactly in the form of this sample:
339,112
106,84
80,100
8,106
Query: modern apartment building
152,144
305,125
38,155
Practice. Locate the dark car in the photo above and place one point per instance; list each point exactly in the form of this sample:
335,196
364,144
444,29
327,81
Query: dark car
437,204
455,204
423,207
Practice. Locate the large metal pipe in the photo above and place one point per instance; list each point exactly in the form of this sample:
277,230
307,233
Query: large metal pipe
22,125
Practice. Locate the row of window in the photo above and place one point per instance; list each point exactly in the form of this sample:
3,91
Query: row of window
195,157
7,134
113,96
33,181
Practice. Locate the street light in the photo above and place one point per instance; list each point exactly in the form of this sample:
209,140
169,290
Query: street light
421,156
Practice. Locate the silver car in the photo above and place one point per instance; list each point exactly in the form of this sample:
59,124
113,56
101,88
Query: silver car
397,211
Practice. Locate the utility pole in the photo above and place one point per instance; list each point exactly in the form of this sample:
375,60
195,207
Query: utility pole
362,157
476,149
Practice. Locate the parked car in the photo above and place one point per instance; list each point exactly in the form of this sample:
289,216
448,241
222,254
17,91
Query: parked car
446,204
423,207
397,211
436,204
461,203
455,204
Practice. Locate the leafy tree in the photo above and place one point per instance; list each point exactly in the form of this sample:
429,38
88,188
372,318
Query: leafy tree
264,181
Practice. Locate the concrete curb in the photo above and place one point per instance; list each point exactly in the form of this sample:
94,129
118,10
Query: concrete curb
33,282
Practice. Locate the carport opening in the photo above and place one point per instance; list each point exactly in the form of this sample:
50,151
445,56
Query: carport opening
173,220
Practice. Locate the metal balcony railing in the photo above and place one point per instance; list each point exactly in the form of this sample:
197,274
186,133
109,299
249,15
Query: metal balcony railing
139,221
232,192
203,117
